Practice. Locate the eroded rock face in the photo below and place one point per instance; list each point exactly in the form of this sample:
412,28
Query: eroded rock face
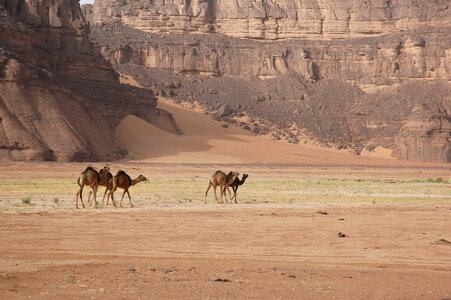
347,73
379,61
88,12
59,100
426,134
274,19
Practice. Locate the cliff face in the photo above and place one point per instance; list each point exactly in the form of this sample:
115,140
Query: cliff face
59,100
347,73
387,60
275,19
426,133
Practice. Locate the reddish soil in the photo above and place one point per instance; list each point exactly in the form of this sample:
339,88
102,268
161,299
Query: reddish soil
235,251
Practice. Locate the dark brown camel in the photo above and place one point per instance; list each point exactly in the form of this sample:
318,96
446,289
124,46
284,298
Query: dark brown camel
122,180
222,180
234,185
89,177
105,177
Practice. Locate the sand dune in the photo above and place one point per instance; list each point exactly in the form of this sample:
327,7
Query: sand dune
205,141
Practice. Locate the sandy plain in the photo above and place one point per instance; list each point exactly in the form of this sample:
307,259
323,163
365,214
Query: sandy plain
280,241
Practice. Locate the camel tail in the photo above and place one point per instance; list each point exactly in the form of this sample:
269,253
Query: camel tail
80,179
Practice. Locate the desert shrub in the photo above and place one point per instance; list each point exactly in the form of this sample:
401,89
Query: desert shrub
435,180
26,200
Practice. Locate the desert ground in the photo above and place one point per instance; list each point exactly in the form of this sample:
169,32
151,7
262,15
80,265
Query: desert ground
281,240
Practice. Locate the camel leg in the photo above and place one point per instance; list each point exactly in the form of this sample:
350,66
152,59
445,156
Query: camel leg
104,194
122,198
206,193
89,198
76,198
111,193
80,193
223,190
130,198
94,190
216,195
235,191
226,188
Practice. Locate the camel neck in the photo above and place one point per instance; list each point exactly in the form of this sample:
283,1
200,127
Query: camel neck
242,180
135,181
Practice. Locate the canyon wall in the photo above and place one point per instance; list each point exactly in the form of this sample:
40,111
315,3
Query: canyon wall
59,100
274,19
386,60
345,73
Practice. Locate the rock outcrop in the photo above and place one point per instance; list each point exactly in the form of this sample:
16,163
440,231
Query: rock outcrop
345,73
426,134
59,100
274,19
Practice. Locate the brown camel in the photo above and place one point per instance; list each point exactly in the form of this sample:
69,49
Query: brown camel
105,177
222,180
122,180
89,177
234,185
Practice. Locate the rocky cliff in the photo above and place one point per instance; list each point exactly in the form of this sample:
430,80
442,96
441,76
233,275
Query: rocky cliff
344,73
425,135
275,19
59,100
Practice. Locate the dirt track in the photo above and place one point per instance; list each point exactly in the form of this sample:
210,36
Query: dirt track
262,251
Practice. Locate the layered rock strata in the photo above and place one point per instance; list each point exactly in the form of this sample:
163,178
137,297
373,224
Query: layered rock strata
59,100
274,19
344,73
286,84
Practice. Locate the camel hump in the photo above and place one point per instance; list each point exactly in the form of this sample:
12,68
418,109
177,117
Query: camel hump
89,168
231,174
120,172
218,171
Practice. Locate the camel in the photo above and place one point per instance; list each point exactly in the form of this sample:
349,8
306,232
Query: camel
222,180
105,177
89,177
122,180
234,185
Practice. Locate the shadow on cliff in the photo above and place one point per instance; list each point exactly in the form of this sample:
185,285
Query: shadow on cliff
60,99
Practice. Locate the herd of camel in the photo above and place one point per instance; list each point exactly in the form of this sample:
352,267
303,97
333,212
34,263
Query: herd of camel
92,178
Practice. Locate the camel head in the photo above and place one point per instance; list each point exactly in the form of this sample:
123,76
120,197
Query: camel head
243,179
141,178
